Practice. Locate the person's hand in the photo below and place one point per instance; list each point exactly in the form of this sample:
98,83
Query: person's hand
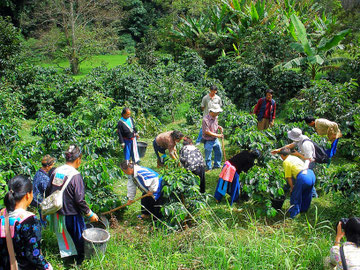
150,193
129,202
273,152
137,136
123,146
339,233
221,129
94,218
291,189
220,135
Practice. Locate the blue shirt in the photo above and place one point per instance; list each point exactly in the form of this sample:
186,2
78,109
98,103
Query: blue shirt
40,183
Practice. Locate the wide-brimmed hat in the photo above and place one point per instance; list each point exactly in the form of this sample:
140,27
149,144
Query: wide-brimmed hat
215,108
295,134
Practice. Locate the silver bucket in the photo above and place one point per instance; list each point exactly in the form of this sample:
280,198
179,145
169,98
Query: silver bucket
95,241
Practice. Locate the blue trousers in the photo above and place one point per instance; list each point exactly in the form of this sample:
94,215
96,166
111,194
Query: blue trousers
198,140
128,149
209,147
301,195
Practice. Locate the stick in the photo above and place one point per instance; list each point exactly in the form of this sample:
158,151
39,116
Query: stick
122,206
223,147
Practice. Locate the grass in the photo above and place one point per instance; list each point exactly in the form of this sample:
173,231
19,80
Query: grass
108,60
220,237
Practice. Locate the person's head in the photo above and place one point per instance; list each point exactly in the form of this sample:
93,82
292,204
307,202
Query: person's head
310,121
269,94
47,162
255,153
284,153
187,141
213,90
73,156
214,110
352,230
20,188
126,113
177,135
127,167
295,134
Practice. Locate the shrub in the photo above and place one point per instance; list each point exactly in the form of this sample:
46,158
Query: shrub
194,66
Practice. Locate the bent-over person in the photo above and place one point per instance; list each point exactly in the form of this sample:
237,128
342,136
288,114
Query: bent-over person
166,141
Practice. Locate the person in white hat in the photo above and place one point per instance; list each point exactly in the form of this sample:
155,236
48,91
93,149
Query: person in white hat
304,144
210,136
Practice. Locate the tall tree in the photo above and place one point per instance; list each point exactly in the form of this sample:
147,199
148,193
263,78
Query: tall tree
76,29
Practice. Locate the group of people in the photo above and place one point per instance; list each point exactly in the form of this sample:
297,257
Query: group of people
68,223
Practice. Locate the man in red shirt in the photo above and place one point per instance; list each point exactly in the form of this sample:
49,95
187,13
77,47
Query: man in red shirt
265,111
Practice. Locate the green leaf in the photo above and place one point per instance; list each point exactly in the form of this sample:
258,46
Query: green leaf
334,41
301,34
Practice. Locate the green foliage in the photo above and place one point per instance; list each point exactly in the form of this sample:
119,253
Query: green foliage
99,176
244,86
194,66
263,184
10,41
181,189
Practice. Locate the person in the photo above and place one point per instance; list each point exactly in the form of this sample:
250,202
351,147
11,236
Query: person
229,177
41,179
68,223
304,144
324,127
166,140
149,183
206,102
192,160
301,191
210,136
25,228
265,110
328,128
128,135
244,160
351,248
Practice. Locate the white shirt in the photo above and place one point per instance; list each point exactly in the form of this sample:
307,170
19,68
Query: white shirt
207,101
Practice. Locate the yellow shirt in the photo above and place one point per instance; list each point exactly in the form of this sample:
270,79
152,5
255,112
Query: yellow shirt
292,166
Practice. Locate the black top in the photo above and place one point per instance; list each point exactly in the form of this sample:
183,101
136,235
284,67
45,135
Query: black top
243,161
124,131
74,196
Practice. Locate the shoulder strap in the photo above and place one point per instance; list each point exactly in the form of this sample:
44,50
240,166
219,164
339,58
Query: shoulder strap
306,140
342,255
130,128
70,176
9,243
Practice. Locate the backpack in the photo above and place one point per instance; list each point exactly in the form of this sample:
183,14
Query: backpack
320,153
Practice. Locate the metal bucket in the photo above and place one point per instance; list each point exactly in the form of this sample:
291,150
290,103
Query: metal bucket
142,148
95,241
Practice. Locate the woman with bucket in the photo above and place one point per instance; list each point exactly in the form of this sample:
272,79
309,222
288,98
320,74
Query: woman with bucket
128,136
20,230
68,223
150,184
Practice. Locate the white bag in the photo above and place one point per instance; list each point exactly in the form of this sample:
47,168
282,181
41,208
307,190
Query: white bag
54,202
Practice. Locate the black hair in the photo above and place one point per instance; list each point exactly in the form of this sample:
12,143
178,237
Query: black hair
73,153
285,151
176,135
50,172
269,91
47,161
18,187
126,165
255,153
125,110
352,230
213,88
309,119
187,141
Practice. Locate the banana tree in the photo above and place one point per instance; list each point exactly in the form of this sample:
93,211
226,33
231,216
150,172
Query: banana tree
316,57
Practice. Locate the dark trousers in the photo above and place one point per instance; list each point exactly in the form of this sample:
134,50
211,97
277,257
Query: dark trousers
75,225
158,149
150,206
200,171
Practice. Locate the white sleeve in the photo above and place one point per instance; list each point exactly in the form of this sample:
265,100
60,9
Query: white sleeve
203,102
131,189
154,184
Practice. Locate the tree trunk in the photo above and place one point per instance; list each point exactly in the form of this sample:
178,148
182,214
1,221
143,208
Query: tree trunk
74,60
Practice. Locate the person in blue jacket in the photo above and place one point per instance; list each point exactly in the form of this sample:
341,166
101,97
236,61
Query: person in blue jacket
149,182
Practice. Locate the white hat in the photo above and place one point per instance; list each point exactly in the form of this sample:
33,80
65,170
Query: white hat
215,108
295,134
